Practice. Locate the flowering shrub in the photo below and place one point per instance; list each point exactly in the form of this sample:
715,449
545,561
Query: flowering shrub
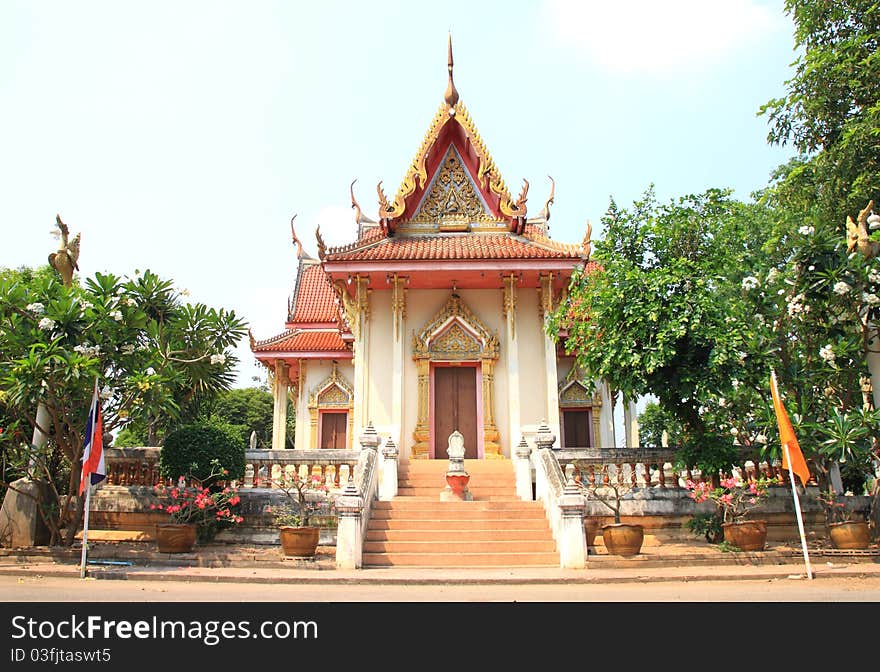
835,510
734,497
210,508
305,498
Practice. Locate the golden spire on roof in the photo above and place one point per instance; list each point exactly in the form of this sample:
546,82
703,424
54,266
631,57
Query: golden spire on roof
451,95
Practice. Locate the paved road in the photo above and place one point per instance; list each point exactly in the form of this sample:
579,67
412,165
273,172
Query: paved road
63,589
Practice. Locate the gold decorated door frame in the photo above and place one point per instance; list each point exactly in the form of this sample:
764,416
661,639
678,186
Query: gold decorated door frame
333,394
455,335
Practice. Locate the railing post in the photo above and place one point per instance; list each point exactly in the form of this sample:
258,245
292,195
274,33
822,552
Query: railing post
369,439
388,484
523,470
544,440
572,542
349,541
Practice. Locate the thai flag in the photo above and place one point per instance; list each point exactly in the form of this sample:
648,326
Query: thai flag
93,448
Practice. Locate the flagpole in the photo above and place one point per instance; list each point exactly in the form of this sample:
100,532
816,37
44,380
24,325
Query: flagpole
85,542
797,510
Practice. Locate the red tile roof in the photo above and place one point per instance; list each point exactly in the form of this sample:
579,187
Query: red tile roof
455,246
295,340
314,299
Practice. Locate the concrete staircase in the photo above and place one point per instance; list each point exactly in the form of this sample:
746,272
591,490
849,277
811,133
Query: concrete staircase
496,529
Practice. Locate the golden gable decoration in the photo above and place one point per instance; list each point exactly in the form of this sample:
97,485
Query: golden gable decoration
334,392
452,202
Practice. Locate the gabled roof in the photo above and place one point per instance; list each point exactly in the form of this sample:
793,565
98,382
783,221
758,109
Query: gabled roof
302,340
313,300
456,246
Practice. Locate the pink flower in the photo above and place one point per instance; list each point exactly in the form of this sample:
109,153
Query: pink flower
729,483
726,499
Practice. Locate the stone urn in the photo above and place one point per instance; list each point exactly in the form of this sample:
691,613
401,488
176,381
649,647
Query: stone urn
747,535
299,542
175,537
851,534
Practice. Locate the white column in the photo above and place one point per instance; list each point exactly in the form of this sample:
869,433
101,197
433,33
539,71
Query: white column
509,310
361,354
349,538
606,417
631,423
545,301
398,316
279,414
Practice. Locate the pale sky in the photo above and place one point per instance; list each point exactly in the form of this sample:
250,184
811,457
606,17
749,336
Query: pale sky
181,136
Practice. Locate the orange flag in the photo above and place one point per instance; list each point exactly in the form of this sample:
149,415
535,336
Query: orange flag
787,437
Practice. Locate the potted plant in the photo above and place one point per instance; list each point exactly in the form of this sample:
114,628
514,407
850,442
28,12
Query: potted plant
845,528
735,499
196,512
305,498
619,538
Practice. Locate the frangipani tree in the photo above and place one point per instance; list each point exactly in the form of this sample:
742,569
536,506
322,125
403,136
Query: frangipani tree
155,356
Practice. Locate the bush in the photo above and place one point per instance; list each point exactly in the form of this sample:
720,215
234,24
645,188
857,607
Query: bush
190,449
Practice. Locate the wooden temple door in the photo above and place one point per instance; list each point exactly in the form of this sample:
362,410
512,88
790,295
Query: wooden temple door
333,428
455,408
576,428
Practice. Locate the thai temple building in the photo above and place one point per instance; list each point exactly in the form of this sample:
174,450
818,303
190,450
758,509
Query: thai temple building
432,319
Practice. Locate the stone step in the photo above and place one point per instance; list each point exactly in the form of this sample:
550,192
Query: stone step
442,466
396,523
461,559
455,535
435,506
423,480
506,546
433,492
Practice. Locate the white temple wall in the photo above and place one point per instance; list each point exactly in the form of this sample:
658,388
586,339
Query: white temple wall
379,371
532,373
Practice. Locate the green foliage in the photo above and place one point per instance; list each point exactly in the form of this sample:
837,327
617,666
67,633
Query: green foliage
653,421
831,110
251,409
663,314
707,525
157,360
199,449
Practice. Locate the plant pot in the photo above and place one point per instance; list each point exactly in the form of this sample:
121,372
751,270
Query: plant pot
746,535
175,537
591,530
852,534
299,542
623,538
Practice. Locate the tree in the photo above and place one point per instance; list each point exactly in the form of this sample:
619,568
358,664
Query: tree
831,110
251,409
157,360
663,314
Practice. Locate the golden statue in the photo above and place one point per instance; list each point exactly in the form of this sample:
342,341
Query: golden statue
857,234
64,260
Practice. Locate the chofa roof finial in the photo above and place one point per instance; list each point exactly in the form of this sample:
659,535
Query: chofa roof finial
296,241
451,95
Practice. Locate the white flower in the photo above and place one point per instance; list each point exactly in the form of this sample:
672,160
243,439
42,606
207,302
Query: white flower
780,292
87,350
871,299
218,359
735,383
873,275
130,301
749,282
841,287
116,315
811,267
106,392
37,308
184,292
772,274
46,324
734,431
722,402
806,230
150,371
127,349
761,438
826,352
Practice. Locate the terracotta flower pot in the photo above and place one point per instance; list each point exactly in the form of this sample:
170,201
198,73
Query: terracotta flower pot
747,535
623,539
175,537
299,542
851,534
